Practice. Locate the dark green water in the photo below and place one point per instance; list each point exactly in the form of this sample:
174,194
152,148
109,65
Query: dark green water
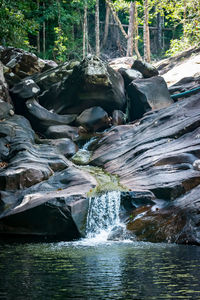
99,271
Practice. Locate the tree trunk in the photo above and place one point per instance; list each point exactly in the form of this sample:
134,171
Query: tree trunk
117,19
106,28
146,37
129,51
184,18
159,33
38,33
85,31
44,33
97,28
135,30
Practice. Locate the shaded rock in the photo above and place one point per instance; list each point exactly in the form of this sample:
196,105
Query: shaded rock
6,110
134,199
145,68
22,63
147,94
41,118
129,75
62,131
59,199
4,93
118,117
94,119
65,146
92,83
25,89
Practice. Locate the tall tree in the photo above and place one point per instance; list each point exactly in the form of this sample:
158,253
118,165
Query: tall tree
97,28
146,36
85,31
129,51
106,27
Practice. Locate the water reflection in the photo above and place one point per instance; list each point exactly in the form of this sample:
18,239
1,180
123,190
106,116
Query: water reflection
101,271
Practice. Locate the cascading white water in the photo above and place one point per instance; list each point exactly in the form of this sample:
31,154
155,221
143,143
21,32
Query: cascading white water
103,215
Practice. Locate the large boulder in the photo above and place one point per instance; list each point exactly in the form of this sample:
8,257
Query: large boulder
145,68
56,208
159,153
129,75
147,94
40,193
94,119
41,118
62,131
92,83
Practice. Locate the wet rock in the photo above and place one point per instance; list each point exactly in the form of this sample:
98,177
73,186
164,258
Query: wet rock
145,68
118,117
94,119
133,199
119,233
62,131
178,222
41,118
92,83
129,75
147,94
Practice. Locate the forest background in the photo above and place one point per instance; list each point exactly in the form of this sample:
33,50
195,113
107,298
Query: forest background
67,29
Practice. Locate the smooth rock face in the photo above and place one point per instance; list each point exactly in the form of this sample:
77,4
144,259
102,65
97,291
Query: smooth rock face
62,131
129,75
145,68
65,146
159,154
41,118
92,83
94,119
147,94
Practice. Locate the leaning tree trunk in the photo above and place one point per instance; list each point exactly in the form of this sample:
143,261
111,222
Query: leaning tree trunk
135,30
129,51
85,31
146,37
106,28
117,18
97,28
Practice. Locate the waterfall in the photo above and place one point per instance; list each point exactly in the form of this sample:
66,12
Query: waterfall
103,215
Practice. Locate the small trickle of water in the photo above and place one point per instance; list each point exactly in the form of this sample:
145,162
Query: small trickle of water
103,215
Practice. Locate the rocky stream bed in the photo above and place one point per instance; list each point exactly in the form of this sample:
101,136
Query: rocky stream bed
142,143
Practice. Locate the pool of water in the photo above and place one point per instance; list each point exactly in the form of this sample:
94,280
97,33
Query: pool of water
105,270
